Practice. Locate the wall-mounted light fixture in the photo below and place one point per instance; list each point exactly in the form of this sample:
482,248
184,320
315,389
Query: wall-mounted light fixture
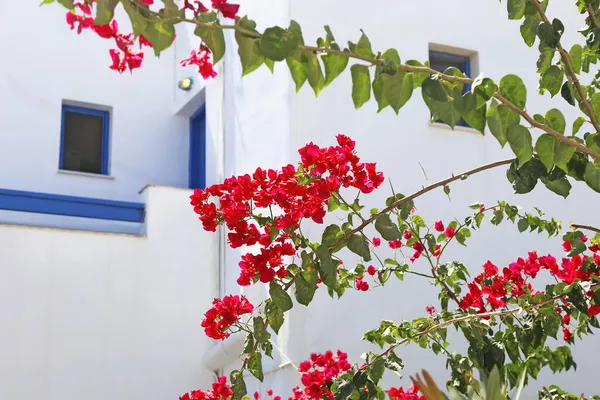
186,83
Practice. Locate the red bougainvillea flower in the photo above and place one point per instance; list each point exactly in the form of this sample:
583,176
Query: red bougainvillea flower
411,393
395,244
430,310
147,2
298,193
371,270
437,251
318,373
407,235
376,242
201,59
361,285
228,10
270,392
566,319
567,246
567,335
220,391
224,313
439,226
449,232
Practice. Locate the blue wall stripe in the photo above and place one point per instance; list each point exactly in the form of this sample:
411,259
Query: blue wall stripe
197,161
45,203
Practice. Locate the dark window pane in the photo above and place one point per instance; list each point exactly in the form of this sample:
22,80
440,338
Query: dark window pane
82,143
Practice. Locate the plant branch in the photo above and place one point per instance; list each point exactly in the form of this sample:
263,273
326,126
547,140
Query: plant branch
566,59
587,227
592,15
421,192
465,318
375,61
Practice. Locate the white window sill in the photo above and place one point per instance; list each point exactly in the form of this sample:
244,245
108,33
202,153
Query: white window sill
441,125
84,174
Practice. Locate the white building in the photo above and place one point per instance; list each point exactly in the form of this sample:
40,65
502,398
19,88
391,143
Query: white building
106,273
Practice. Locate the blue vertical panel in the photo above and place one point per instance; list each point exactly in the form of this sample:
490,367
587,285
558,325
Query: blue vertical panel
197,162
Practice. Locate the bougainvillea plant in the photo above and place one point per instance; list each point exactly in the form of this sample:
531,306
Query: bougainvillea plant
503,311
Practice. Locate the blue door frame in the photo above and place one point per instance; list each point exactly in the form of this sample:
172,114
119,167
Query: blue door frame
197,163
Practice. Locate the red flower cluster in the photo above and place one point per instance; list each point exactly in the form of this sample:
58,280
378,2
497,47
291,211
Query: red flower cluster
376,242
512,282
223,314
412,393
123,57
220,391
301,193
439,226
395,244
201,58
318,372
361,285
430,310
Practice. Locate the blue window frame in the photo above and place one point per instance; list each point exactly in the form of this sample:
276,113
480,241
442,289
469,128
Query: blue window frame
197,162
84,140
440,60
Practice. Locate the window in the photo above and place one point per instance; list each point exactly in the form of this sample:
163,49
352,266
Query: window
84,140
439,61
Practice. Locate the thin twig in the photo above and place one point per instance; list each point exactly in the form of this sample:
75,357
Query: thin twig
413,196
587,227
566,59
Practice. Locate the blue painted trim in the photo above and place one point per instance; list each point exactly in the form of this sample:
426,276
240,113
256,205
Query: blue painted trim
197,161
55,204
104,152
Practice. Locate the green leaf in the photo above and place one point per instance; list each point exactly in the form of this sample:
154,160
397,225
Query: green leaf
516,8
327,268
344,390
388,230
214,39
552,79
358,245
525,178
474,116
592,176
556,120
548,34
433,88
280,297
105,11
513,89
520,142
523,224
334,65
277,43
44,2
545,147
398,89
315,74
67,4
330,235
248,344
560,186
274,315
377,369
563,153
567,93
575,54
500,118
462,235
363,47
139,22
260,330
545,58
248,48
528,30
577,124
484,89
238,386
361,85
255,365
298,64
419,77
160,34
303,290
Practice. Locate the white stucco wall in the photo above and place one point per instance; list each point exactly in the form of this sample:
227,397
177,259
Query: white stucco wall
106,316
